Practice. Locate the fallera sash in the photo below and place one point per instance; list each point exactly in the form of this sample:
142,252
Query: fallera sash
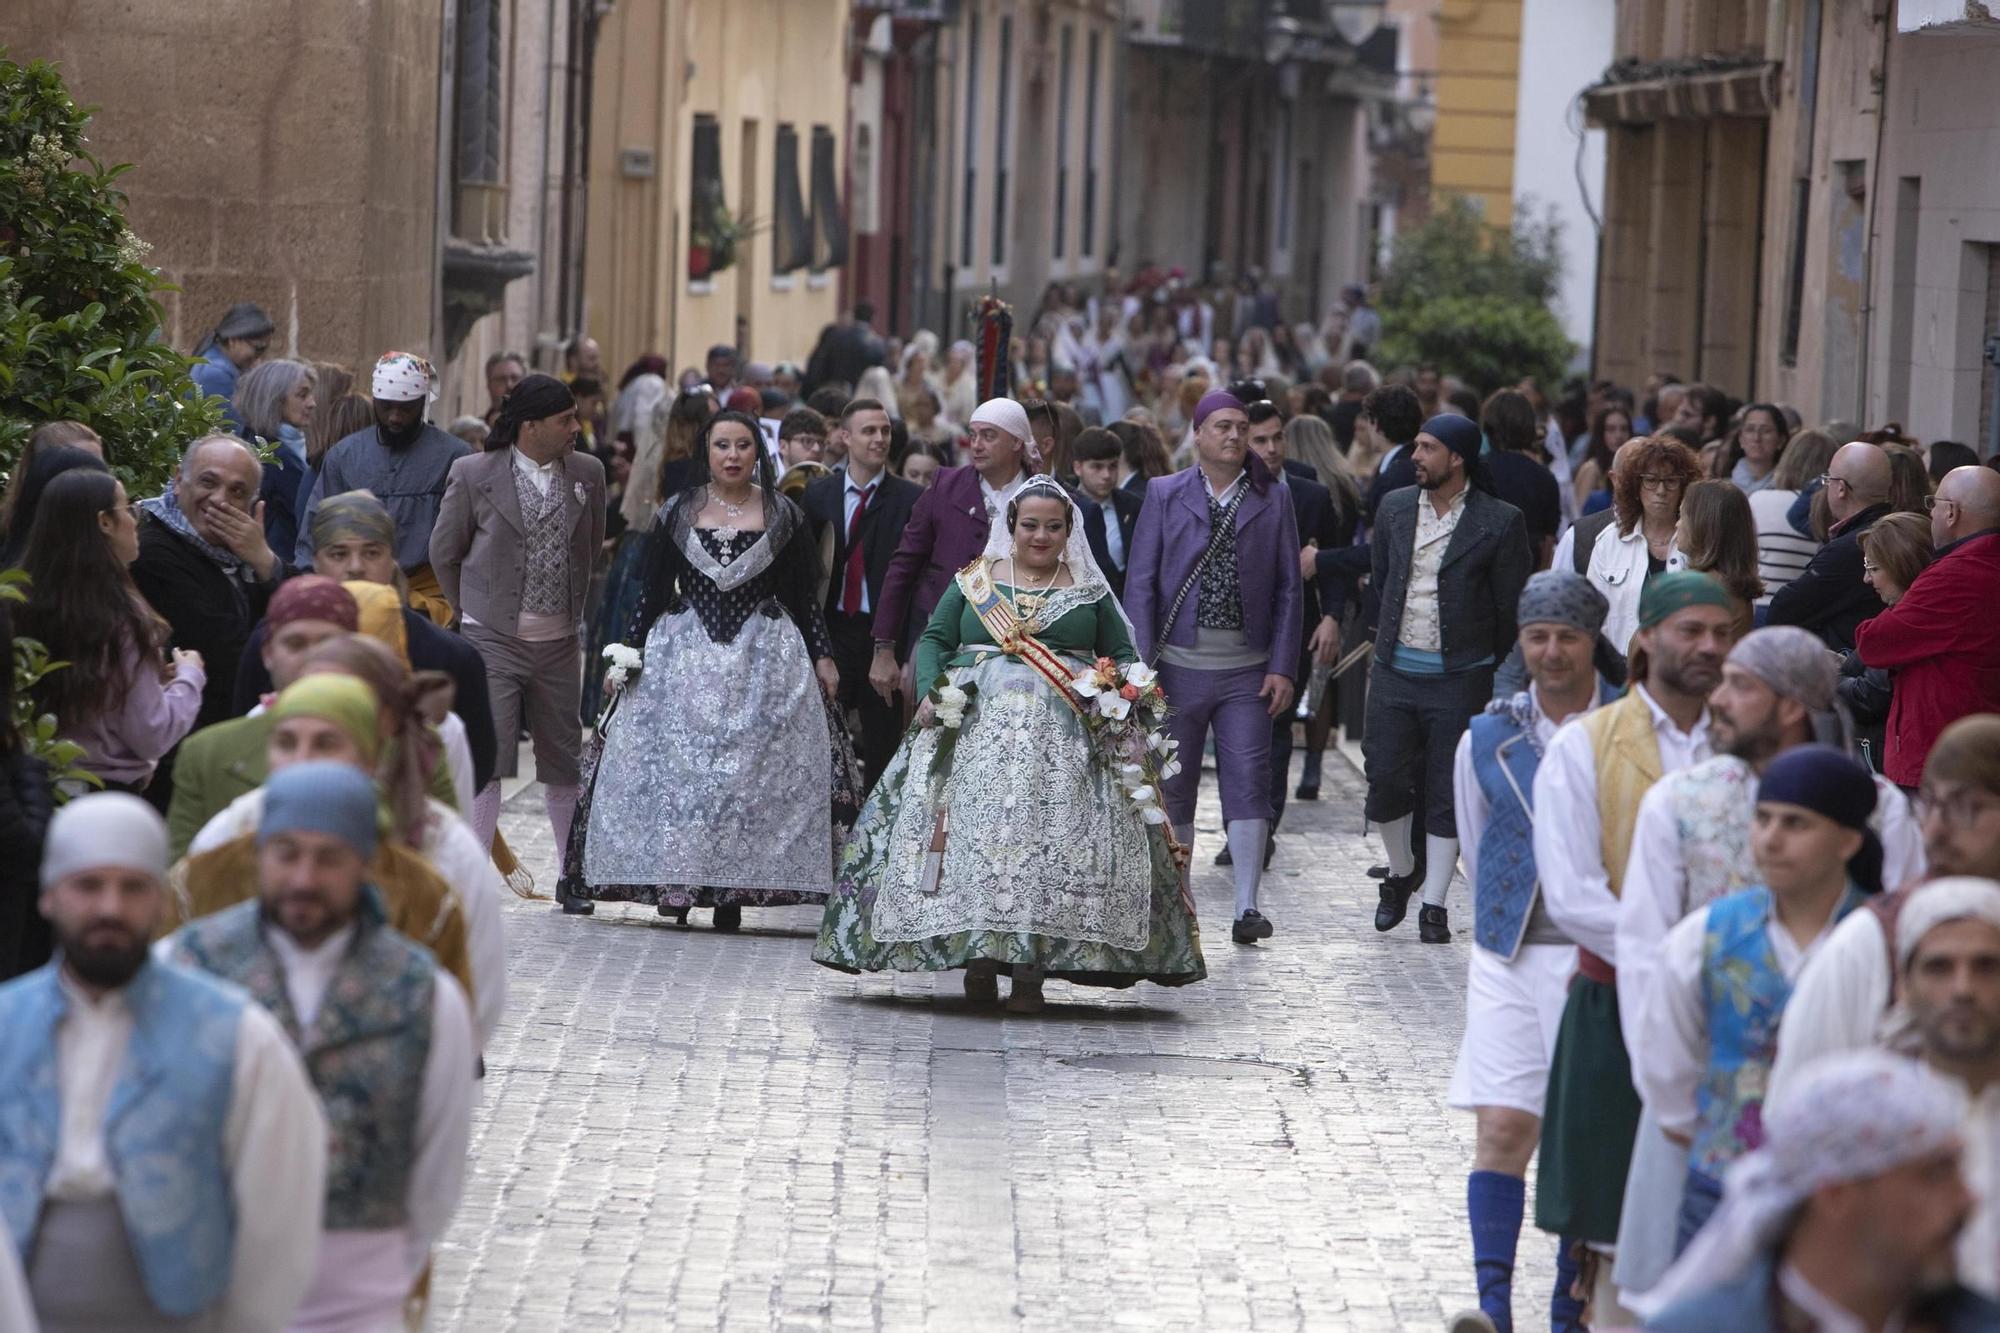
1012,635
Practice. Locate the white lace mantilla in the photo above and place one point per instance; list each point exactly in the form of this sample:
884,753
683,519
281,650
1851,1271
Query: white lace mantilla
1040,839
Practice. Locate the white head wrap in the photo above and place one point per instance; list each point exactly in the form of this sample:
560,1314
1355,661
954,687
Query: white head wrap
1846,1117
103,831
1004,414
401,377
1083,567
1956,898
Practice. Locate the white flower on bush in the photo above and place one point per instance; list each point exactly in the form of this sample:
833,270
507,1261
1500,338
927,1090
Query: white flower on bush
950,707
624,661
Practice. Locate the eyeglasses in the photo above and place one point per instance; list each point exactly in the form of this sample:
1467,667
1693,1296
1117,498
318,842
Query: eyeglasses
1660,483
1931,502
1828,480
815,441
1870,567
1960,808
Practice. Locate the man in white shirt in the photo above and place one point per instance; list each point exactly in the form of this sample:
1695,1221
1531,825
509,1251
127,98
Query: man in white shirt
1707,1023
1846,988
386,1035
1588,788
115,1067
1843,1221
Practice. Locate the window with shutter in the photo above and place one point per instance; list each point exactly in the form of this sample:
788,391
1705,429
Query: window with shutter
829,221
791,225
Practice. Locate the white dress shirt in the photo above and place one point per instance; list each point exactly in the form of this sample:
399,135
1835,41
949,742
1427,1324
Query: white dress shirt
1227,493
996,497
452,850
1114,536
1838,1001
364,1276
1569,847
1667,1035
273,1147
850,501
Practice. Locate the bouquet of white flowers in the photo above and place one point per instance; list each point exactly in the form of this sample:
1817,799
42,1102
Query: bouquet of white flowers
1125,712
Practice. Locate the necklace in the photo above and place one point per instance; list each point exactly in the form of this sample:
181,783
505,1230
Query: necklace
728,532
1027,602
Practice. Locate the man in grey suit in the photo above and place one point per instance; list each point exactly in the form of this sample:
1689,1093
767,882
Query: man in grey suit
513,546
1449,560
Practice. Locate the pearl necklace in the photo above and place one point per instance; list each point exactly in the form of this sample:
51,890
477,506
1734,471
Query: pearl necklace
1028,602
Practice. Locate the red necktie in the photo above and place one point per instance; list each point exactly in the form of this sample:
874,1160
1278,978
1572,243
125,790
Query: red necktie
850,590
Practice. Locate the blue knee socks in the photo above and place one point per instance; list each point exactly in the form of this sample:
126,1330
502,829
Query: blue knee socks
1565,1310
1494,1202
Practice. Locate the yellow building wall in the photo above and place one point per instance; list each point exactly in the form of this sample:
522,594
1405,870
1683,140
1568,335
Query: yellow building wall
753,65
1477,90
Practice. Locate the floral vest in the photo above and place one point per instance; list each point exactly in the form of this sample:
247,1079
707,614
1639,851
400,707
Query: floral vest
1743,995
1712,806
163,1127
365,1051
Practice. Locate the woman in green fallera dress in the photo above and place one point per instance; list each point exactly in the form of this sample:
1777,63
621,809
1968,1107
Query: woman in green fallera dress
1006,844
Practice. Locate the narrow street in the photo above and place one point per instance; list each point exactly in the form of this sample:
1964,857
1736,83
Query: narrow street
682,1129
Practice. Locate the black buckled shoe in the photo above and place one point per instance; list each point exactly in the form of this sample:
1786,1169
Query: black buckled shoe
578,907
729,918
1378,872
1432,927
1252,926
1395,904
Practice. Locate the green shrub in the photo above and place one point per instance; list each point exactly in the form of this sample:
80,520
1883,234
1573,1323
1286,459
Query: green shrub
79,325
1473,299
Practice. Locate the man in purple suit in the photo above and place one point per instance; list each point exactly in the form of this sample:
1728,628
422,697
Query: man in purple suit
1212,588
947,530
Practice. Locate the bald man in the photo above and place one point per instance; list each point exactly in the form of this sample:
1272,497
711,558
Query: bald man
1830,597
1943,639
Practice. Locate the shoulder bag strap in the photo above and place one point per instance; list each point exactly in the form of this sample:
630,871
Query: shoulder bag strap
1207,553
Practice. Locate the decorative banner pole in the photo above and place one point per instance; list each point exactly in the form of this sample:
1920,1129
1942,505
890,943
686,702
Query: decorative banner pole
993,342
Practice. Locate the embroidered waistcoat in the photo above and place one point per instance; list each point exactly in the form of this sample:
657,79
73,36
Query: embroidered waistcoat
545,585
1504,762
1219,600
365,1050
1712,804
163,1127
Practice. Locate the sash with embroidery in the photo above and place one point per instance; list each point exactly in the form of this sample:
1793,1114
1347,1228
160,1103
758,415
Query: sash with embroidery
982,594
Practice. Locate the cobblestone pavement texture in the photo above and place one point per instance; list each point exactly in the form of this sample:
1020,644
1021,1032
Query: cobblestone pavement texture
681,1129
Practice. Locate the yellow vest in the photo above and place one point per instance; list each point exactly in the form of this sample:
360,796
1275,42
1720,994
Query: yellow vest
1628,762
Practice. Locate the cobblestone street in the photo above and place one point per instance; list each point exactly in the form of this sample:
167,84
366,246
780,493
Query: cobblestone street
682,1129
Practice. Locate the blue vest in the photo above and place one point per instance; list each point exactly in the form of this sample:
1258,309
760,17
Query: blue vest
1743,995
1504,762
365,1051
163,1126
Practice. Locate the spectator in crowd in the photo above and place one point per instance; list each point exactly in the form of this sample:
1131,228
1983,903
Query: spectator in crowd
315,947
801,438
1755,448
119,697
166,1151
1608,432
1109,512
1716,537
1893,553
1358,379
332,423
1579,540
921,413
1943,456
921,464
26,802
845,351
31,478
719,368
583,357
1942,639
1784,549
1142,455
275,401
204,565
503,371
472,430
1650,484
235,344
403,462
958,386
1393,414
1830,597
1519,475
1840,1218
48,435
1703,410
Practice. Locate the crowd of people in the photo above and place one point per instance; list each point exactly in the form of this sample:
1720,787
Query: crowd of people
979,648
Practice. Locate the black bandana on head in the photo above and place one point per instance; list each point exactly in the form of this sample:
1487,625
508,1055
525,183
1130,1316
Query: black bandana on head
535,398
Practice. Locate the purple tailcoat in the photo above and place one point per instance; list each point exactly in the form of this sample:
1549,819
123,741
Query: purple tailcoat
947,530
1169,540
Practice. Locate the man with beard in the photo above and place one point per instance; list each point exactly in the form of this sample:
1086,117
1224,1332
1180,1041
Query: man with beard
1949,962
113,1062
1587,792
401,460
385,1033
1839,1000
1449,559
1691,846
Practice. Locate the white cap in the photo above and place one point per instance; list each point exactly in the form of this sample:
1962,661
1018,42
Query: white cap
103,831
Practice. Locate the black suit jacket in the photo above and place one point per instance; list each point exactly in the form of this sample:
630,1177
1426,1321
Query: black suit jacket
882,524
1828,597
1320,523
1127,506
1400,473
1486,564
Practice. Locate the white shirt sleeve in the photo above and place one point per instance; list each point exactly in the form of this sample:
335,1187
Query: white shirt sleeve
1838,998
458,759
1902,840
1565,556
1569,844
444,1121
470,873
1652,902
1666,1031
16,1314
1470,803
275,1145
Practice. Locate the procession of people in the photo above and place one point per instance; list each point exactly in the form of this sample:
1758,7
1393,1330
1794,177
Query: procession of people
957,695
